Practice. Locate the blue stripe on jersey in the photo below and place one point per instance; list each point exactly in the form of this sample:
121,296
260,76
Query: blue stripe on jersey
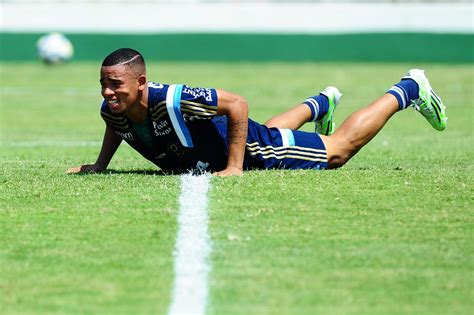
287,137
291,137
173,104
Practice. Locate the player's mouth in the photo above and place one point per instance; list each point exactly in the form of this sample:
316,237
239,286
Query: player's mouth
114,105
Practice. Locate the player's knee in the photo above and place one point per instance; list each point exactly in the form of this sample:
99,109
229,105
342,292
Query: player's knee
339,151
337,160
271,123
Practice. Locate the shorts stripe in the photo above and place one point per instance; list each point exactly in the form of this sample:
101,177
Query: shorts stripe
293,152
297,157
287,137
257,145
287,151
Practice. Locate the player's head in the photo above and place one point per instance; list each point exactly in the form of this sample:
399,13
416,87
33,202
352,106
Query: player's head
123,79
126,57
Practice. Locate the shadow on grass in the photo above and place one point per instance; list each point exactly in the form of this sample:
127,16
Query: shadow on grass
138,172
135,172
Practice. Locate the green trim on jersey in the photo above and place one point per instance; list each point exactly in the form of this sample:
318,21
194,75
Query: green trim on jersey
143,133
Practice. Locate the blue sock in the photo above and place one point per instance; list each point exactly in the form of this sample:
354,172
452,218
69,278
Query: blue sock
405,91
319,106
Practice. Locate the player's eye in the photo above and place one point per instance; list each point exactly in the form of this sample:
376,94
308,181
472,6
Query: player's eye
115,84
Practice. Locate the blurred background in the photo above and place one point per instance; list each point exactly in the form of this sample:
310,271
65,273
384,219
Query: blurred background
239,30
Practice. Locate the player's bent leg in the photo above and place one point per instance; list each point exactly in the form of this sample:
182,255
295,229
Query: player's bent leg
337,151
413,90
358,129
291,119
318,109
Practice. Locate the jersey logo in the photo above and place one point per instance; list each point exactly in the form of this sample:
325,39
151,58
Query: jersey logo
161,129
198,92
154,85
125,135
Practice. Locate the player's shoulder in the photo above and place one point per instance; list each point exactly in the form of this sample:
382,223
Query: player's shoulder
200,95
156,92
157,87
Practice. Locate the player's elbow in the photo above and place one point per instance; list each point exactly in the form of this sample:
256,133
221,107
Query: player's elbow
241,102
239,108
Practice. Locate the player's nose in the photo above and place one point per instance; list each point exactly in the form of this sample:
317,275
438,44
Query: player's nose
107,92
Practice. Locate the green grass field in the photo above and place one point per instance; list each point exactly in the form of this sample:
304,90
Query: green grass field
389,233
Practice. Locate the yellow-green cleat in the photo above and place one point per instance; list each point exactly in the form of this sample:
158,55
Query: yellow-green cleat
326,125
428,103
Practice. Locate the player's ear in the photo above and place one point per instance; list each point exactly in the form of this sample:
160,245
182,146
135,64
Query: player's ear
142,82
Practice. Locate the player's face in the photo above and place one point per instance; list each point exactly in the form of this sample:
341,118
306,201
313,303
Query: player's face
120,87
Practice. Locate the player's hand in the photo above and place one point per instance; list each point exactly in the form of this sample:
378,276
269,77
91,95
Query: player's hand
86,168
230,171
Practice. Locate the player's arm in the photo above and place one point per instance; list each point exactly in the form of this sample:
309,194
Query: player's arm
236,109
110,145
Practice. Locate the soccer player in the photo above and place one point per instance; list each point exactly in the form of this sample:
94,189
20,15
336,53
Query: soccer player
180,128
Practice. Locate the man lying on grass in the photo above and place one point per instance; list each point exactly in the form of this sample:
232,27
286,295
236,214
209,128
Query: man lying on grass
180,128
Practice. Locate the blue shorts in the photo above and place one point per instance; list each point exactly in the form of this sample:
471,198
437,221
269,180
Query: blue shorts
274,148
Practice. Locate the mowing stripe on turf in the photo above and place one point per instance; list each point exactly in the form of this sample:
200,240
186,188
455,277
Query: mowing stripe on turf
192,249
18,90
50,143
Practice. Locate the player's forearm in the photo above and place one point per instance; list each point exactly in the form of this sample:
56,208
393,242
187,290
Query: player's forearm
237,134
235,107
110,145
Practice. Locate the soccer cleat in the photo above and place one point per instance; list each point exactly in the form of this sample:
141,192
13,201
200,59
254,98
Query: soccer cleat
428,103
326,125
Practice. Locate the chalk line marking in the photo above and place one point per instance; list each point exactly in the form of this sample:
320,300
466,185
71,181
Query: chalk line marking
192,249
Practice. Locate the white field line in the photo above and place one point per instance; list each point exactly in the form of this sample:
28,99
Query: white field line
50,143
192,249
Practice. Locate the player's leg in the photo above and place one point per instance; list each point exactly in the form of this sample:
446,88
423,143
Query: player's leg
318,108
291,119
360,127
